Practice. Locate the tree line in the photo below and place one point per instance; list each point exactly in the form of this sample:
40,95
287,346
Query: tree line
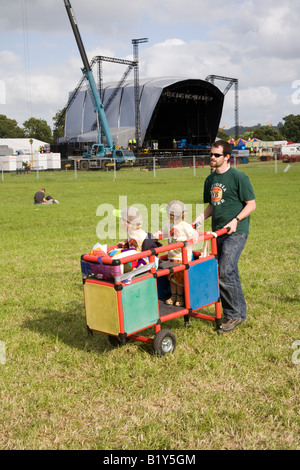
289,130
39,129
32,128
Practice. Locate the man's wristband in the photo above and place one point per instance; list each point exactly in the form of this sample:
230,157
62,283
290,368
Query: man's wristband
238,220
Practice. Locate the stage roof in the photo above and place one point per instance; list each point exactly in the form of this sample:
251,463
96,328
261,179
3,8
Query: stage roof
170,108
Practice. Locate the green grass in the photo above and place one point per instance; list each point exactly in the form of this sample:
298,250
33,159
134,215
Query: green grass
61,389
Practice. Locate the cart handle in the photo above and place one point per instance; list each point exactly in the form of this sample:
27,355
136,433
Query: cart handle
220,232
154,251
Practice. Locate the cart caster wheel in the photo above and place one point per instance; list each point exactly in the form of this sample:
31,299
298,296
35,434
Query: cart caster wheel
186,322
115,341
90,332
164,342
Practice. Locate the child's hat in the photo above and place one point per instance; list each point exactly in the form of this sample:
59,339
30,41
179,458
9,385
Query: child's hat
131,215
177,208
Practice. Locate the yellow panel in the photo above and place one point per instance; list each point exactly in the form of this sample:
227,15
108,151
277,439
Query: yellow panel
101,308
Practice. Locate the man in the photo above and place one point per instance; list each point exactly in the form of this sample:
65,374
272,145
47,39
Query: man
39,198
27,168
231,200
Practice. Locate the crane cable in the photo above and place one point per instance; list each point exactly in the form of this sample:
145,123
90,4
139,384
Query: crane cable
26,57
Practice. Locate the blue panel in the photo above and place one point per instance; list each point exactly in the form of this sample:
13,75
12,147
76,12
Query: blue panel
203,283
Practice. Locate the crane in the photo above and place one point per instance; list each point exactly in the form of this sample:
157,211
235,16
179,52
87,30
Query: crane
98,153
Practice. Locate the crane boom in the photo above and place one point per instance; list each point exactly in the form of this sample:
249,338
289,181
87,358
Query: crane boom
87,71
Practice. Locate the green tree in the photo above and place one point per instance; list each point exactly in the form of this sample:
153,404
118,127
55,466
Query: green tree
223,135
291,128
9,128
59,124
267,133
38,129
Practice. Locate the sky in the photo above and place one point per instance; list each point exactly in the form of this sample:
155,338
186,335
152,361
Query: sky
255,41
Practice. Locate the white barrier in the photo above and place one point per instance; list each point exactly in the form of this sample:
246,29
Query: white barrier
8,163
53,161
39,161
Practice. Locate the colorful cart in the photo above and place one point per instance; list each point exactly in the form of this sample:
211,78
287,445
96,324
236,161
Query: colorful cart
123,305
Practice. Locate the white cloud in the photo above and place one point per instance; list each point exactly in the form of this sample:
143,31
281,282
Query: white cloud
252,40
260,97
9,60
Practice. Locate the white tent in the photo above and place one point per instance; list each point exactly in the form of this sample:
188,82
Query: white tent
23,145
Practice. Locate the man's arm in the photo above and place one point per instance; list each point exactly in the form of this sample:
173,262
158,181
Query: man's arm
250,206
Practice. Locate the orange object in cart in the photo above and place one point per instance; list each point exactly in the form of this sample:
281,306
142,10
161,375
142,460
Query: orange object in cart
123,305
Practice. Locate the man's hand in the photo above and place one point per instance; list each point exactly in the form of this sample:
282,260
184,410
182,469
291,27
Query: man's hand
198,221
232,226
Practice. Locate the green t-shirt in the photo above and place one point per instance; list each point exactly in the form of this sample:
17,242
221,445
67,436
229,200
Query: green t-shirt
227,193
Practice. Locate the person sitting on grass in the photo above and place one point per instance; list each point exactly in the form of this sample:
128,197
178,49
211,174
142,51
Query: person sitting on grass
39,198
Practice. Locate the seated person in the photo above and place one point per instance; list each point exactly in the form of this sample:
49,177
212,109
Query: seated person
137,238
39,198
177,230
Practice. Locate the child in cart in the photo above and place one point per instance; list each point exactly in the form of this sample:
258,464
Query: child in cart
137,241
131,220
177,230
137,238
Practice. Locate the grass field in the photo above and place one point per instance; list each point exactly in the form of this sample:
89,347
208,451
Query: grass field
61,389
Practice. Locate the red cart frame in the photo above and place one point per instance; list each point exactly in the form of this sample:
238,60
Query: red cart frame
123,310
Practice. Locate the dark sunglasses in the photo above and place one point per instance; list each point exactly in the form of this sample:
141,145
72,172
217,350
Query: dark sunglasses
217,155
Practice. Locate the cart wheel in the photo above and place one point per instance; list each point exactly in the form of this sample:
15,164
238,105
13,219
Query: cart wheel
164,342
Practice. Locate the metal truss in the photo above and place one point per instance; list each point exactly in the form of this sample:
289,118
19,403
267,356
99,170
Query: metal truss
231,81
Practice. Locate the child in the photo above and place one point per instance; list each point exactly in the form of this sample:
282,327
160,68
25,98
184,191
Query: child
177,231
137,238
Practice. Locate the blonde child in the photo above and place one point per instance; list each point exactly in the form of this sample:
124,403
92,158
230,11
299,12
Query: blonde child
132,224
178,230
137,238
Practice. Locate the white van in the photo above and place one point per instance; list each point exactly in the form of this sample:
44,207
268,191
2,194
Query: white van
290,153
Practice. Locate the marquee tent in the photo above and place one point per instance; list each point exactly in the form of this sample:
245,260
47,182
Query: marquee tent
240,144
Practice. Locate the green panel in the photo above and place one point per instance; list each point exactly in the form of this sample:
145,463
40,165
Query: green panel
140,305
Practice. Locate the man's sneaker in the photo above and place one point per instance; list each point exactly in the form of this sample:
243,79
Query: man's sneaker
229,324
55,201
